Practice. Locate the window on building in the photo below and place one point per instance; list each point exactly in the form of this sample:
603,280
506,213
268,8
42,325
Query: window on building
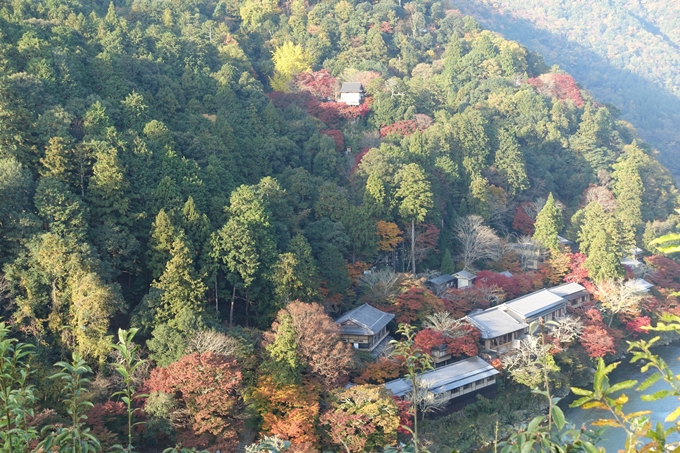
466,386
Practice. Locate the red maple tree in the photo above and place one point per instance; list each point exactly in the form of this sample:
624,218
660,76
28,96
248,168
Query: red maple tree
560,86
337,137
414,305
522,222
666,272
319,83
207,386
597,341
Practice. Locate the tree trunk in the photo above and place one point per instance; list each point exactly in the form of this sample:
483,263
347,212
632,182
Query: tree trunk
231,310
217,310
413,246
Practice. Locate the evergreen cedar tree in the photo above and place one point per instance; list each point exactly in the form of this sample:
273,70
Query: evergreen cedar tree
181,193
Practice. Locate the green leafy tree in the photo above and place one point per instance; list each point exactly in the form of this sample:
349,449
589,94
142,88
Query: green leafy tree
74,438
447,266
414,196
163,235
245,244
629,190
180,286
510,163
17,396
126,368
548,224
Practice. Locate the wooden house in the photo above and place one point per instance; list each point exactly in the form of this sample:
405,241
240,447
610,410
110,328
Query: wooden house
364,327
351,93
441,283
460,380
464,279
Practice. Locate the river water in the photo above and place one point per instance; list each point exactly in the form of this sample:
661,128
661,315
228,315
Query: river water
614,438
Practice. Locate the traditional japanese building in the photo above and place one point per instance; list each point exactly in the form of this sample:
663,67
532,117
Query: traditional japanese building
542,304
465,378
500,332
364,327
464,279
575,294
351,93
441,283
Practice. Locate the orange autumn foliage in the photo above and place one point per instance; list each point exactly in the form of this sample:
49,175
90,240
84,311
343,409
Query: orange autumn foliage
288,411
326,357
207,386
389,234
379,372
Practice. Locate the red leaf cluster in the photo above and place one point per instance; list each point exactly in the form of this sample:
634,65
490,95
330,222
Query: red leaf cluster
337,137
464,345
522,222
513,287
414,305
208,386
332,114
577,272
405,416
402,128
597,341
636,325
319,83
666,272
560,86
386,27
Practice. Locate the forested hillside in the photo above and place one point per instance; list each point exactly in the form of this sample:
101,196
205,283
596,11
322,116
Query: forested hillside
626,53
180,167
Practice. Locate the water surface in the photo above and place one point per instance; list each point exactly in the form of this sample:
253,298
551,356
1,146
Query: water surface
614,439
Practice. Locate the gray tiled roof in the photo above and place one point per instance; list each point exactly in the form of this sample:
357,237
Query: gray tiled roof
368,320
465,274
447,377
495,322
351,87
567,290
442,279
534,304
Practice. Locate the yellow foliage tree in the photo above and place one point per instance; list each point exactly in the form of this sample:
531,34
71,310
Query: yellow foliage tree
289,60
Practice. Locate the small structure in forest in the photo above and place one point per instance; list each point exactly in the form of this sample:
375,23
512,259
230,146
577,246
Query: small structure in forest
441,283
364,327
464,279
351,93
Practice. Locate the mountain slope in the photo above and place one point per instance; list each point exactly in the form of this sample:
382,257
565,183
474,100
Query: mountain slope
626,53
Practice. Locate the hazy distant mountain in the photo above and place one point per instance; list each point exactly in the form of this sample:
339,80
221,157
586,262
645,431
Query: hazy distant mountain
626,52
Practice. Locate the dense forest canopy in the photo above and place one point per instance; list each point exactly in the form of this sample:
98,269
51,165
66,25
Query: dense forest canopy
626,53
181,167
